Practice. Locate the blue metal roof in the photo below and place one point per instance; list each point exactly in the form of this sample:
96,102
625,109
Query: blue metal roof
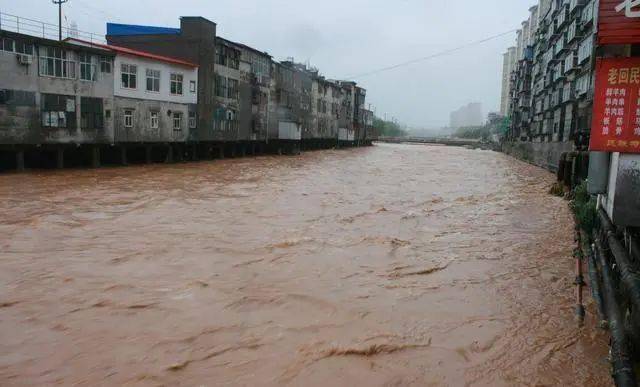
115,29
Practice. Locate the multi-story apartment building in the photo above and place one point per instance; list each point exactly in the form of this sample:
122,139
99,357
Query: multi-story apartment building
549,99
46,84
54,95
259,79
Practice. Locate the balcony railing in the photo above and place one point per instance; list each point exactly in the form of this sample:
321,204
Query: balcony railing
40,29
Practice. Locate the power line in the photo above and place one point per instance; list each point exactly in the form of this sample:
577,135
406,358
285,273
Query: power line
441,53
108,15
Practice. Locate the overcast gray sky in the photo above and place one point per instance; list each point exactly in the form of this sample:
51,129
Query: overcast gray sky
344,38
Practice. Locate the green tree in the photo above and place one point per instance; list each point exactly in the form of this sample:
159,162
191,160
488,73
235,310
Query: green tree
388,128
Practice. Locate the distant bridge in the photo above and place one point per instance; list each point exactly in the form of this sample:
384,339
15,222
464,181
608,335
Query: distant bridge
431,140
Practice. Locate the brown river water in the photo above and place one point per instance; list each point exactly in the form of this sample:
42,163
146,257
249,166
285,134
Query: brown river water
379,266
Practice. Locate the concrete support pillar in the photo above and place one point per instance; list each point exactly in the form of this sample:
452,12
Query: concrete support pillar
123,155
60,158
95,157
20,160
169,158
147,152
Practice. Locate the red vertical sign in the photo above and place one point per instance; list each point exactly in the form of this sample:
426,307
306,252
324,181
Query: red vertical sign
616,106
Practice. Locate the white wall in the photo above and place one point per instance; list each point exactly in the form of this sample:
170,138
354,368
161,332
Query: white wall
140,92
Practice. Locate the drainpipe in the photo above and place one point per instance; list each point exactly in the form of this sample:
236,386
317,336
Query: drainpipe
630,278
579,281
622,372
594,278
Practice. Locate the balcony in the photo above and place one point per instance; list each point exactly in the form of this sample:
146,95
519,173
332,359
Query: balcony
570,63
562,17
524,103
575,5
568,93
586,18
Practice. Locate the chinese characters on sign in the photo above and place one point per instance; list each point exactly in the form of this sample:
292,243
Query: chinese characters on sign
618,22
628,7
616,106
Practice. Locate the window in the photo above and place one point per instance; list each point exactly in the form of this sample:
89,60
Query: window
192,86
55,62
58,111
177,121
87,67
232,89
17,98
153,80
585,49
192,120
105,64
128,118
221,86
129,75
154,120
176,84
227,56
233,59
220,57
91,113
24,48
6,44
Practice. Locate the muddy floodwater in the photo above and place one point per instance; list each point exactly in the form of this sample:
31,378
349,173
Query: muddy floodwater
386,265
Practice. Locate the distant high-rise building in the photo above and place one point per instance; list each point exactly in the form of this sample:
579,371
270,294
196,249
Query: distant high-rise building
469,115
508,65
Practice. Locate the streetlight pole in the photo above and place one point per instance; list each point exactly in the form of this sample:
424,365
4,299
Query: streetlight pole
59,2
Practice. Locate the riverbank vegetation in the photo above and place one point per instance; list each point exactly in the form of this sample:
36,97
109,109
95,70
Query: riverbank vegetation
388,128
496,125
584,207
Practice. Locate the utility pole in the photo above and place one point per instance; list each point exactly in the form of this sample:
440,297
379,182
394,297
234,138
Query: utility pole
59,2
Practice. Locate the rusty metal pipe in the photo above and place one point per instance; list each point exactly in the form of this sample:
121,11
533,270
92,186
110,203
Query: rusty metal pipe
622,372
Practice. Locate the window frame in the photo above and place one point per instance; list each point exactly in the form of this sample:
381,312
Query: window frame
177,80
56,63
127,116
192,86
3,40
85,65
126,71
192,120
106,63
177,118
232,88
155,80
154,119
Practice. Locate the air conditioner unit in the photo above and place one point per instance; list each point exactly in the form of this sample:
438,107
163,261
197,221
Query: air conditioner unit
25,59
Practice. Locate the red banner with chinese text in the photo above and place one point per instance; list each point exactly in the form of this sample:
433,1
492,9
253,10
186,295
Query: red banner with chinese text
616,106
619,22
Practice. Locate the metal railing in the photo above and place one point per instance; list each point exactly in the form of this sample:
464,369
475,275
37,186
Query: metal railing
44,30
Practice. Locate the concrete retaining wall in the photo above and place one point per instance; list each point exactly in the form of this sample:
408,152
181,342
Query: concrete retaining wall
543,154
